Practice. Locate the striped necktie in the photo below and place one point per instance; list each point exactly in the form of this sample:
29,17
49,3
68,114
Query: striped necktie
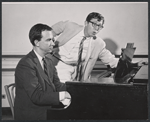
79,63
45,66
46,72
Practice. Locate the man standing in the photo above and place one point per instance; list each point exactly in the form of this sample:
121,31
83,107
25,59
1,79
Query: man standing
37,84
74,39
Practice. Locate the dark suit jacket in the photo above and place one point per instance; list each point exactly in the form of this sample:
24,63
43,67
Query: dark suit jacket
35,92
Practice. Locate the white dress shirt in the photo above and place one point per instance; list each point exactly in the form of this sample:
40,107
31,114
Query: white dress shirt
69,53
40,59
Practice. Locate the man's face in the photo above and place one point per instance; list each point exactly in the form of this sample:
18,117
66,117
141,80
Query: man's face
47,42
93,27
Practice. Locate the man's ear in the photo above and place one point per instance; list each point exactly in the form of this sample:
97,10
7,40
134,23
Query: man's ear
36,42
86,23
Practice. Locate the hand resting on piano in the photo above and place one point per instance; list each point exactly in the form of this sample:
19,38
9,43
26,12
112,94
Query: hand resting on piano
66,99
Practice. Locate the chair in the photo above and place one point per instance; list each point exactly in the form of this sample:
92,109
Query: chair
9,89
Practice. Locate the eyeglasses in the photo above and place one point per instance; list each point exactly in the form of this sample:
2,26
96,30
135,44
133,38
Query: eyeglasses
97,27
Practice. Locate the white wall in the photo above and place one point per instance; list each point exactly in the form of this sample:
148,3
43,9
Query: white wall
124,22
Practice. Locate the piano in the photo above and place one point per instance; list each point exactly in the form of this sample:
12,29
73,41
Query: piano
123,96
104,99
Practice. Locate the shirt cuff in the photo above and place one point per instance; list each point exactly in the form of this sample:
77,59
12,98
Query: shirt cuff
61,96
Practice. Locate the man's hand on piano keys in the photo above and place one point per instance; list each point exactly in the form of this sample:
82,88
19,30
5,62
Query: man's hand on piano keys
67,95
67,99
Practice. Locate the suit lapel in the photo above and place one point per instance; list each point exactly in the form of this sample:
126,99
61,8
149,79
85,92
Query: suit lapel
92,55
90,48
49,70
41,71
50,73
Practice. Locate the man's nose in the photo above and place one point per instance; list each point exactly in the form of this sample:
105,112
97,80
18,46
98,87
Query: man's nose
53,43
96,31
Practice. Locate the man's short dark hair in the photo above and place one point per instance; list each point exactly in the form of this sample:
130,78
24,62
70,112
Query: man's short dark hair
95,15
35,32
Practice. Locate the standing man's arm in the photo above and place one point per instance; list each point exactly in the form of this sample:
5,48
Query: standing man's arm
108,58
58,28
65,30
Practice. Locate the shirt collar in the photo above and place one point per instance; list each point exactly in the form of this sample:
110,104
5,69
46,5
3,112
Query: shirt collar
82,34
39,57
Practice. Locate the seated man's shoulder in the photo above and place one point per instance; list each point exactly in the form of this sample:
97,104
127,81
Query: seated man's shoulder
27,59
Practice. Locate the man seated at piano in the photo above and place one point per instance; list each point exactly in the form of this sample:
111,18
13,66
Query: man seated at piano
38,87
77,48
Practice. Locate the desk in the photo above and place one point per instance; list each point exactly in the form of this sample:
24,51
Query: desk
103,99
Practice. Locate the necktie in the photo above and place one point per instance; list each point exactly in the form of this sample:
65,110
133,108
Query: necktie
45,66
46,71
79,63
